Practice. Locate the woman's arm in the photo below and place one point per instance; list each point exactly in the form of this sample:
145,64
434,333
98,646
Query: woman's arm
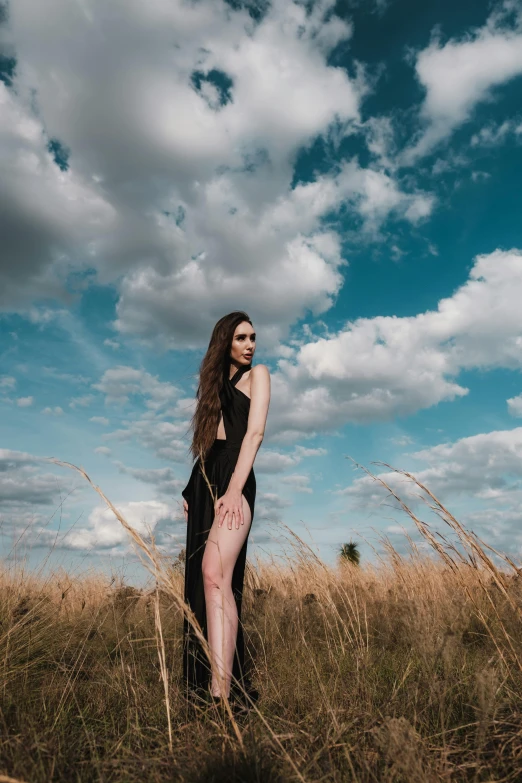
230,503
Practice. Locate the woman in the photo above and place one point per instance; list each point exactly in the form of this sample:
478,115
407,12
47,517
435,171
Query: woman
228,427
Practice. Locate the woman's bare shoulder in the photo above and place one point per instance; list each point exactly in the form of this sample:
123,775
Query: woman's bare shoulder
260,370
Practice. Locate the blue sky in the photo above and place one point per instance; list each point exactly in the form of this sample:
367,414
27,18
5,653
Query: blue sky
348,173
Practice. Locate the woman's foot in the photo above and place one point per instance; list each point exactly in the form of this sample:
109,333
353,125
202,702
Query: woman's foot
218,701
218,696
246,696
238,709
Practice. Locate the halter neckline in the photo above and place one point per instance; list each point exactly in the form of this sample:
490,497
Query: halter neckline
239,372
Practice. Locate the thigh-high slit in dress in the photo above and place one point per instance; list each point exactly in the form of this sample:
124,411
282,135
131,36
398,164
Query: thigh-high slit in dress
219,465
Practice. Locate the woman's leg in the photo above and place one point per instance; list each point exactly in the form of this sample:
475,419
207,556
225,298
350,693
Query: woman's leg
221,551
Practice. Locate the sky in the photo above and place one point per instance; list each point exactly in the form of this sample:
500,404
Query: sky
348,173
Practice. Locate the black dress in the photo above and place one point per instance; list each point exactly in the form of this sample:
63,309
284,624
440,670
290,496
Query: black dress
219,465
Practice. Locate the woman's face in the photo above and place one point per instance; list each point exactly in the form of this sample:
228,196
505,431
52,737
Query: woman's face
243,343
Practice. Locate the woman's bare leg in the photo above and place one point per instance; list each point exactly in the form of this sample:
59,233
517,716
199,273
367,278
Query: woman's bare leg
221,552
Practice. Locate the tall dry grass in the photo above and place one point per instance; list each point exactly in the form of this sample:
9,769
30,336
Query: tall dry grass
408,670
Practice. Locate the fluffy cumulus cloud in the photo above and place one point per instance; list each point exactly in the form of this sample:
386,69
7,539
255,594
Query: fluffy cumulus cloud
271,461
164,479
279,260
7,382
46,215
501,528
23,480
159,418
104,533
81,402
30,495
121,382
269,508
164,438
515,405
485,467
461,73
493,134
376,368
184,192
298,481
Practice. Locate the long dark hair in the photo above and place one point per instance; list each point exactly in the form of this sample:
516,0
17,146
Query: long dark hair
214,364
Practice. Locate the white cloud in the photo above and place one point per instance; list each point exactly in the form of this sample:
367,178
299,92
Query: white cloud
284,94
298,481
306,451
42,208
112,344
23,480
24,402
7,382
17,522
100,420
164,479
271,461
515,405
478,176
460,74
379,134
402,440
105,450
30,495
56,411
184,408
153,428
163,438
105,532
484,468
501,528
52,372
81,402
375,368
183,195
477,464
451,162
120,382
268,508
494,134
280,261
486,465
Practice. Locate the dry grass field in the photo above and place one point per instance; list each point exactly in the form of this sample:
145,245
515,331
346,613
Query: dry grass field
410,670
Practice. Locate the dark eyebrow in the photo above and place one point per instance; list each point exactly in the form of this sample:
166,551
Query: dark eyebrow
244,335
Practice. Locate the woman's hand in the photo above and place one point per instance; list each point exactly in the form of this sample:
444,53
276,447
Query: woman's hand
185,509
231,505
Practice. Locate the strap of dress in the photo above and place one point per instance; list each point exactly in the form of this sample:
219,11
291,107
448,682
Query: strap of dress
239,372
